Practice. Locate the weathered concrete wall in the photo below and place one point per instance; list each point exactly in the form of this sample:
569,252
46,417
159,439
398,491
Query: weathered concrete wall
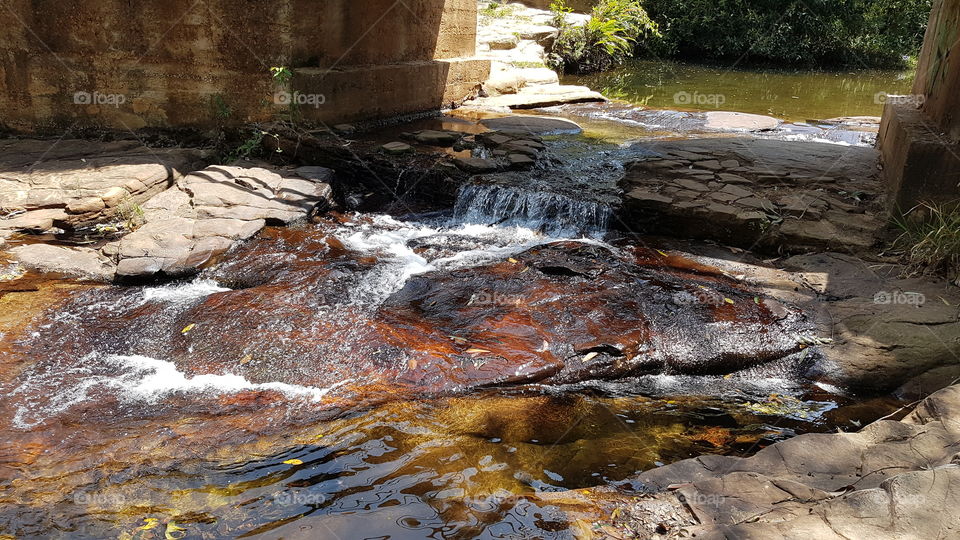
919,137
938,72
181,62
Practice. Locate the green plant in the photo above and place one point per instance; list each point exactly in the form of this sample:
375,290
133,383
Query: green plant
131,214
495,10
281,75
221,111
616,30
930,239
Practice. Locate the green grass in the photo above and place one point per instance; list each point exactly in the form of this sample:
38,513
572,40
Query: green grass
930,239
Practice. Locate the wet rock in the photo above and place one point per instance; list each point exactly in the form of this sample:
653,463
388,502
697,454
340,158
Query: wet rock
891,479
437,138
84,263
476,165
397,148
541,125
532,97
521,161
723,120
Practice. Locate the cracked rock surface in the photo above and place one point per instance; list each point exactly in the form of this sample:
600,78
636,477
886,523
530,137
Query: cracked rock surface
893,479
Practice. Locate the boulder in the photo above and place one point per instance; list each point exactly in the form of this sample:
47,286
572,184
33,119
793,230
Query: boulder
80,262
476,165
540,125
210,211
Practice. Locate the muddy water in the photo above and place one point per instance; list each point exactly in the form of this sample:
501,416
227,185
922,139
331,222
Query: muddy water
796,96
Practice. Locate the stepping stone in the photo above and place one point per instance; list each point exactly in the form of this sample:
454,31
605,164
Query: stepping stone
733,179
396,148
712,164
649,198
691,185
730,164
475,165
520,161
436,138
757,202
533,124
736,191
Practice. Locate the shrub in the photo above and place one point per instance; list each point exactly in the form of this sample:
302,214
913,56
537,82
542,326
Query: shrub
861,33
616,30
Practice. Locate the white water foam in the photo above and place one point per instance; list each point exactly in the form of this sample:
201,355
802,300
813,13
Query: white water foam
141,380
182,292
391,240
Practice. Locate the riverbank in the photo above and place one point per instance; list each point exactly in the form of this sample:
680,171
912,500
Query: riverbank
414,314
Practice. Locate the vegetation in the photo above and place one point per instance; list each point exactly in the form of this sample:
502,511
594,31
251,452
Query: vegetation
857,33
808,33
930,240
616,30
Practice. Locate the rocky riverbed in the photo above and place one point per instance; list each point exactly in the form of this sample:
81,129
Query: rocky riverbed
271,327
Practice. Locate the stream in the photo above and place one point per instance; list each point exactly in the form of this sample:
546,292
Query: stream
375,376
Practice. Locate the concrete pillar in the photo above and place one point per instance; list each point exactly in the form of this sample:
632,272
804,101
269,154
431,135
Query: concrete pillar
919,137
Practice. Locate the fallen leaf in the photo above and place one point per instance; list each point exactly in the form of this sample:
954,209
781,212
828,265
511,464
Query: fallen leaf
728,300
514,261
293,462
525,269
151,524
662,253
187,328
246,359
590,356
477,351
174,532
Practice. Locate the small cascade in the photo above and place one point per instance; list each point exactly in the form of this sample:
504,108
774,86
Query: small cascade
553,214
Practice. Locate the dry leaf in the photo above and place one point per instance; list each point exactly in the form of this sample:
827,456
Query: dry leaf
293,462
590,356
477,351
187,328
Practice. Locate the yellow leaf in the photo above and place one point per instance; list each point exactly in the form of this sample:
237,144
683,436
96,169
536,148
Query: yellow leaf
151,524
246,359
187,328
174,532
458,339
293,462
525,269
662,253
727,300
514,261
728,376
477,351
590,356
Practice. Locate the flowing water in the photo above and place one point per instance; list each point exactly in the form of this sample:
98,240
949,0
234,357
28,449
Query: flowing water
447,375
796,96
376,376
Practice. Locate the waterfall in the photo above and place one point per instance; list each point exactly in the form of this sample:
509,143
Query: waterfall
551,213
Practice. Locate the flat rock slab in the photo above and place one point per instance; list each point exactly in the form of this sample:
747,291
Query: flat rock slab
890,480
541,125
723,120
532,97
757,193
83,263
67,183
211,210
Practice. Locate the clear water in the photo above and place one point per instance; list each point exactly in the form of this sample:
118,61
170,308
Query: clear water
796,96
